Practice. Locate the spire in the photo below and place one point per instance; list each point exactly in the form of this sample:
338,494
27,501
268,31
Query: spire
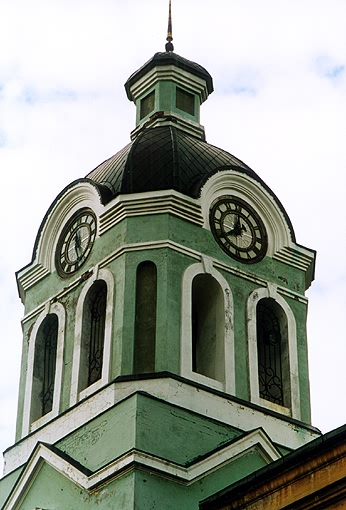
169,46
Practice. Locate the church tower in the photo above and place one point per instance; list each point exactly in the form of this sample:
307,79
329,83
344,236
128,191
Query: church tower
164,334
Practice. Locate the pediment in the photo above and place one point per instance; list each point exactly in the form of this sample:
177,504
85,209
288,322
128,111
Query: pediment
46,458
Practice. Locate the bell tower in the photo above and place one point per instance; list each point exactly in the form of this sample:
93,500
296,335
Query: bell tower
164,333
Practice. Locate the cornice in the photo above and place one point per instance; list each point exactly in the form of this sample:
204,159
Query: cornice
156,203
157,245
171,73
256,441
176,391
179,206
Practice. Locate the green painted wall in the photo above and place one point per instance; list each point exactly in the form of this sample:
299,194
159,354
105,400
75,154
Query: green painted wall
7,483
148,425
178,435
52,490
153,492
137,489
104,438
170,269
165,100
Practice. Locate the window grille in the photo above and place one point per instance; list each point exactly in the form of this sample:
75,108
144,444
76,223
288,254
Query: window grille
96,319
44,367
269,348
50,332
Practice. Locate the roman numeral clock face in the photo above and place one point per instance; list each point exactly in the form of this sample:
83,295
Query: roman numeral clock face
238,229
75,243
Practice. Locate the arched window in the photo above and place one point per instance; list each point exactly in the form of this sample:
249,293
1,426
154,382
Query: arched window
93,334
145,318
44,368
208,327
91,365
272,352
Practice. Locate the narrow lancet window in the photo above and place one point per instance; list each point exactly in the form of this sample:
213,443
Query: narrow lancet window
272,352
208,327
145,321
93,333
44,367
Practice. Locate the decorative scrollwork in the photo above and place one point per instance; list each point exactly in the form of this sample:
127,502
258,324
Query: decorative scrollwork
269,349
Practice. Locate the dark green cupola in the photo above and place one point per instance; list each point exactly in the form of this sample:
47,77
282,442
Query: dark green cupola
168,90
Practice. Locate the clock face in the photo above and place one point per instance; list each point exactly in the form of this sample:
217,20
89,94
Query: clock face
76,241
238,229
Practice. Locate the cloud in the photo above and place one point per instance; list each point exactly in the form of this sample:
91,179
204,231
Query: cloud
279,105
18,91
329,68
2,139
32,96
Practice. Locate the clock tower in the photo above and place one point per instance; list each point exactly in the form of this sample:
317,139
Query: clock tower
164,334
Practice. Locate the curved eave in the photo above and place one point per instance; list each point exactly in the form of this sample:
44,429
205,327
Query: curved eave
103,192
310,274
247,171
164,158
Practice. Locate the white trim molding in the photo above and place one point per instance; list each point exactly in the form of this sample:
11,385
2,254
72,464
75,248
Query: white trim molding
153,202
228,385
241,185
82,194
271,292
256,441
185,394
27,426
281,245
98,275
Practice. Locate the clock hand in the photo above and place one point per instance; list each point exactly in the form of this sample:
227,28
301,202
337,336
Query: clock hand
78,244
238,227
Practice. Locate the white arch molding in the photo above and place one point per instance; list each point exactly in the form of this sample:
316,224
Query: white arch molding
106,276
271,292
228,385
59,310
81,195
241,185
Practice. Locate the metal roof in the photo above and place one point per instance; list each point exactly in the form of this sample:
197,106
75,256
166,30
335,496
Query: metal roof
169,58
164,157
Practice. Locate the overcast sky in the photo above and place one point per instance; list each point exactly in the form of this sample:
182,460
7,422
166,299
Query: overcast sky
279,104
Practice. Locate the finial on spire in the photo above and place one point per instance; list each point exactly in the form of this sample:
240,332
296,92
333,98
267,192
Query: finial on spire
169,46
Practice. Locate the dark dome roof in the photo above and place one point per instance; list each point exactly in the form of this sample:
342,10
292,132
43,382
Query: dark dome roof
170,58
164,157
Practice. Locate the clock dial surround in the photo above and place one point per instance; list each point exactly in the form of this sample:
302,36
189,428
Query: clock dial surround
238,229
75,243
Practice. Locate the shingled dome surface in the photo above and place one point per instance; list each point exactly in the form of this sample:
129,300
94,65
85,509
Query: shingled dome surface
163,158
